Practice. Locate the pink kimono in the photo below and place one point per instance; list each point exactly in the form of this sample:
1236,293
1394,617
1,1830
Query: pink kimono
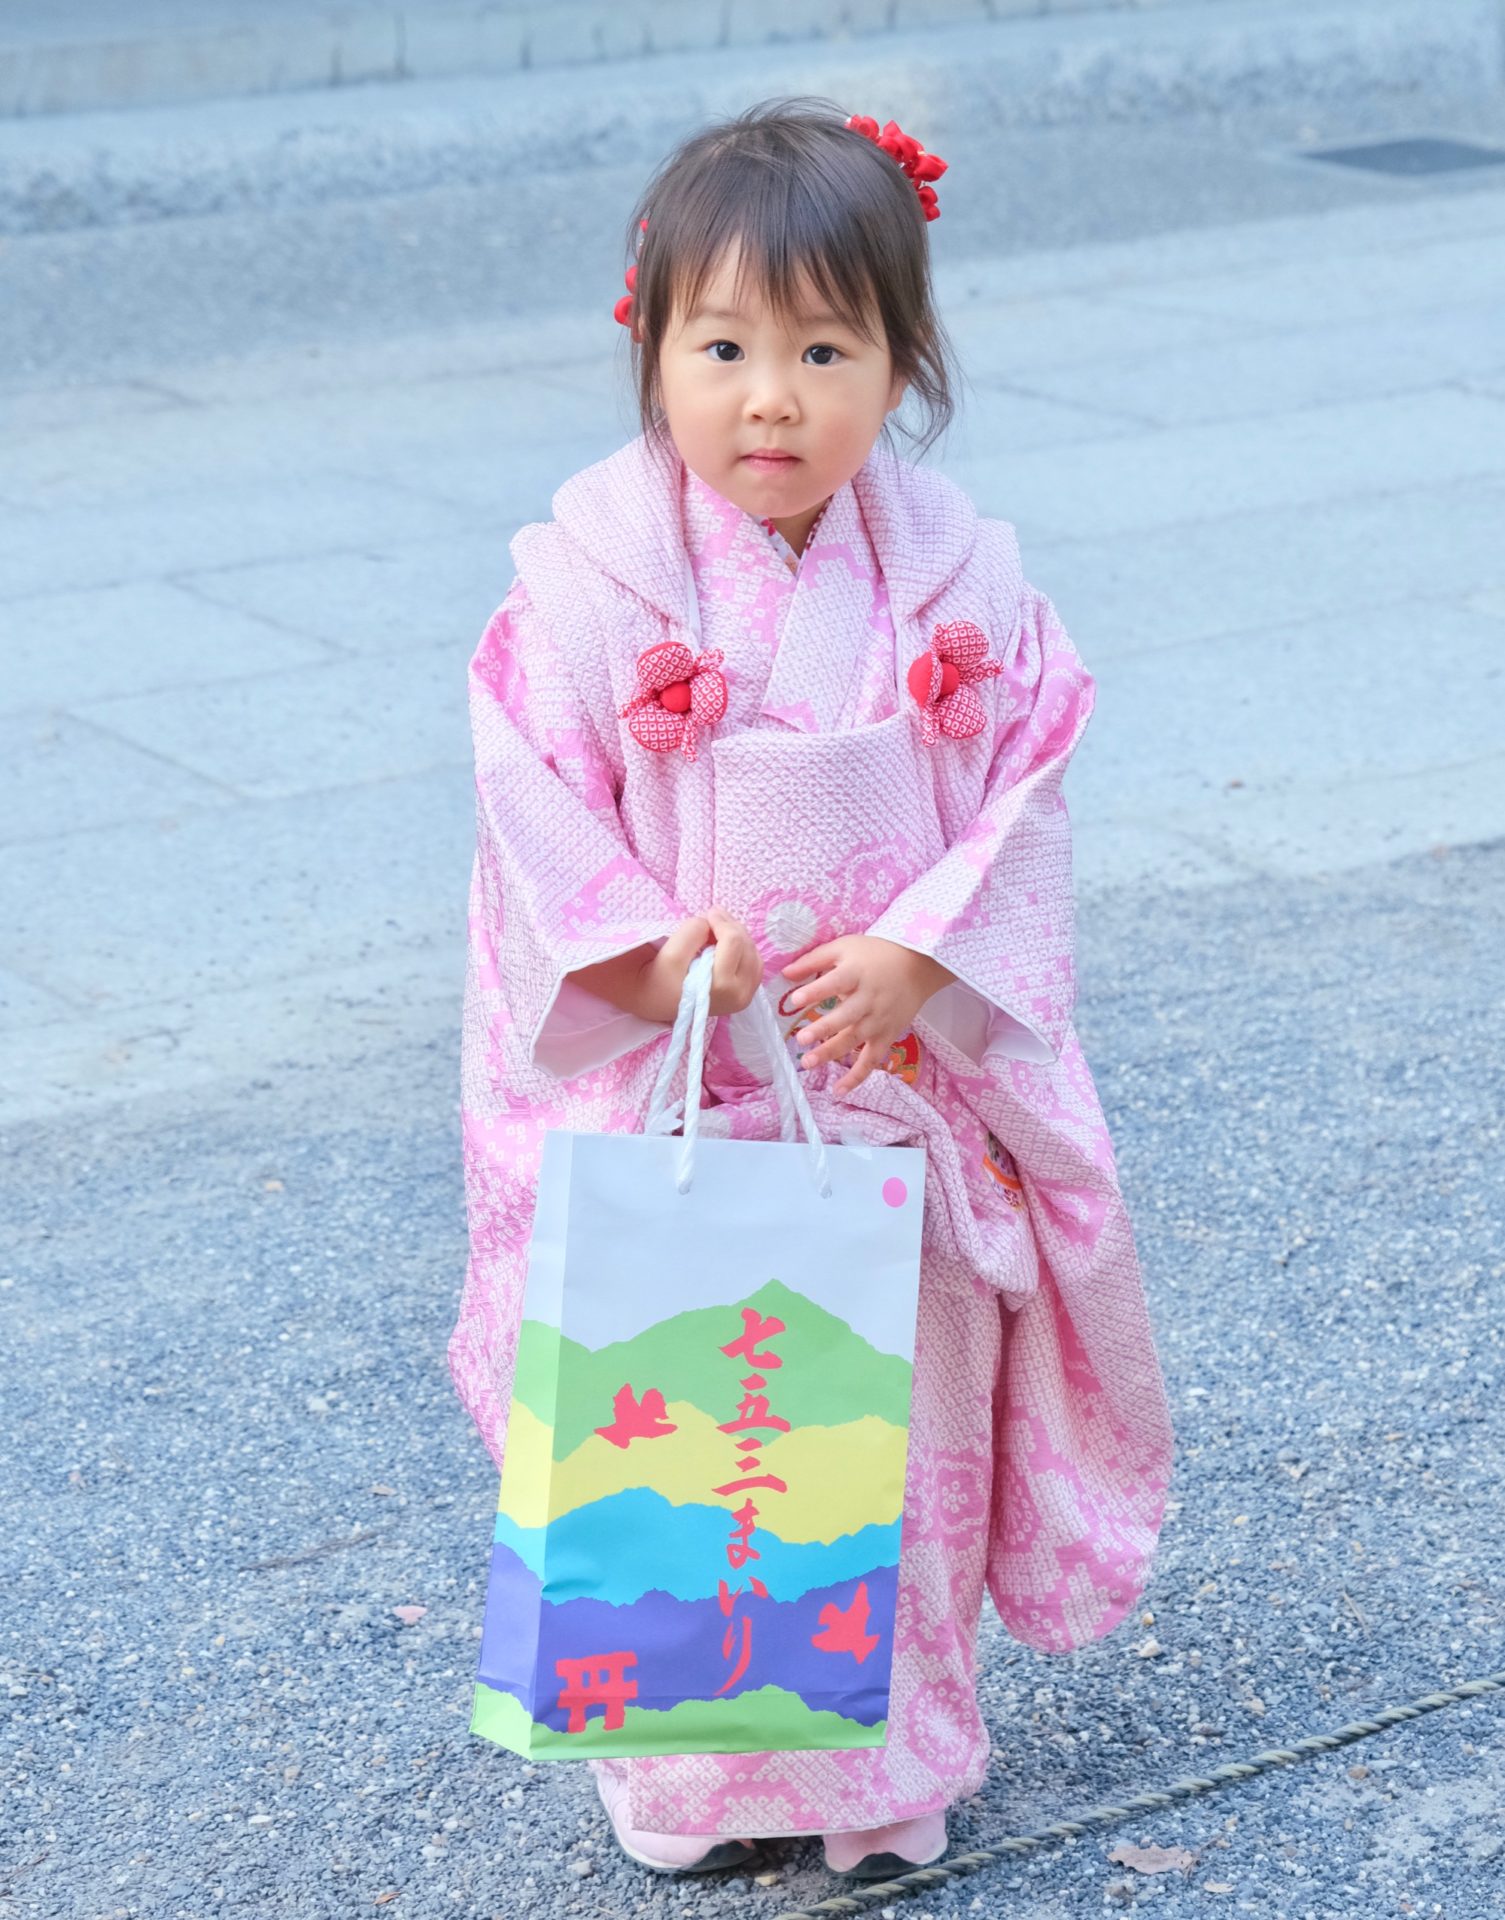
1040,1440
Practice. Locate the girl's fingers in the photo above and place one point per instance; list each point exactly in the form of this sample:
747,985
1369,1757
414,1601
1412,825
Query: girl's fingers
807,1038
848,1040
815,961
739,966
839,980
686,941
866,1062
842,1018
736,974
726,972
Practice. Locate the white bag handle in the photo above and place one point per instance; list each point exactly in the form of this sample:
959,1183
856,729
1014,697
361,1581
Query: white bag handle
694,1009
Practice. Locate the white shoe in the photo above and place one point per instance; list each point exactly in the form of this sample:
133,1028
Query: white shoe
882,1853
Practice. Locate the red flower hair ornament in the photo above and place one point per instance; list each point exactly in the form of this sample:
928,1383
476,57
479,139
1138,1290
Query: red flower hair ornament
921,167
942,682
679,692
624,311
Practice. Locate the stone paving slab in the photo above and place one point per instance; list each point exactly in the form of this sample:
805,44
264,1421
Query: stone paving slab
60,775
1188,474
1400,690
27,410
340,724
991,418
1128,593
24,1004
70,647
1323,827
212,898
1397,223
1432,275
310,433
139,538
64,1056
1282,371
1061,329
411,595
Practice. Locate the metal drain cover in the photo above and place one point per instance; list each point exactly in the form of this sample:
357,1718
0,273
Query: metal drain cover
1411,156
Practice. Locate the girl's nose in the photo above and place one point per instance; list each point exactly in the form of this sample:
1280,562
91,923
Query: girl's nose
771,403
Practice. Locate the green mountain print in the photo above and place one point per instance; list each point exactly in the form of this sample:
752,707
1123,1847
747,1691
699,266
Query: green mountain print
782,1720
828,1375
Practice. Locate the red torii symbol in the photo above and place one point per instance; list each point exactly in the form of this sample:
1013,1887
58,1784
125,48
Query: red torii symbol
596,1682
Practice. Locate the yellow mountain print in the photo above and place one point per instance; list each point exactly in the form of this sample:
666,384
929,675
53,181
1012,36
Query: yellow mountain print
865,1458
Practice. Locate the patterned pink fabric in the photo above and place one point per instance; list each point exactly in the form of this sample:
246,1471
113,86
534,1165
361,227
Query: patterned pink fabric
1040,1443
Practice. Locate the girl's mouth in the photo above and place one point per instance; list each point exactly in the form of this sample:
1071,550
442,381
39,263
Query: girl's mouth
770,462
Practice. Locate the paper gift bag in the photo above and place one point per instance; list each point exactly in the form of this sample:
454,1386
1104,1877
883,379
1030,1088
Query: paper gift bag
697,1535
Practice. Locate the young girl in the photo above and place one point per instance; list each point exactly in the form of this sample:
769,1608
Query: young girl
763,684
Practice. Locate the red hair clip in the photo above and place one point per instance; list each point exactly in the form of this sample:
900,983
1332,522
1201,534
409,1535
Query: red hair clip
922,167
623,310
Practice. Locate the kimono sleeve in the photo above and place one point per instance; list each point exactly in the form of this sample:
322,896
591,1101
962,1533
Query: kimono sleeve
559,885
996,909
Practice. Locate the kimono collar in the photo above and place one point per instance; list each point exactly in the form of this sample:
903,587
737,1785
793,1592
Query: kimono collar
624,514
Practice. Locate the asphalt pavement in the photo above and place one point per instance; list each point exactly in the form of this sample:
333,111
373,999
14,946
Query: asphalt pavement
232,1451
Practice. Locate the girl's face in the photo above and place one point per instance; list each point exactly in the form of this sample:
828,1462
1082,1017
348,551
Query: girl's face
736,381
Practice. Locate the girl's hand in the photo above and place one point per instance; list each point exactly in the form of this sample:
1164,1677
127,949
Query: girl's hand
736,974
738,971
881,986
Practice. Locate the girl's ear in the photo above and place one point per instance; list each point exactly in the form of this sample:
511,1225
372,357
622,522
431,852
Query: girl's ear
897,392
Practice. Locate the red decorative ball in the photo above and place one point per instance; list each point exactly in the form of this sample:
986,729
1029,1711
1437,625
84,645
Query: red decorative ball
919,678
676,696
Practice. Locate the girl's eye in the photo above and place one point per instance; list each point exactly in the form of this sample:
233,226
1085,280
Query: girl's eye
726,360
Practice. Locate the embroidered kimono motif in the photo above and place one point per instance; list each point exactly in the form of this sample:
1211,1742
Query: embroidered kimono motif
1040,1441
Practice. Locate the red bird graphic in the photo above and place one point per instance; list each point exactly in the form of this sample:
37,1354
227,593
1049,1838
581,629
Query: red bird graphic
844,1630
635,1419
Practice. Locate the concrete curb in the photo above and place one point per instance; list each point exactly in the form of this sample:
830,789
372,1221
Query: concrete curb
79,58
115,169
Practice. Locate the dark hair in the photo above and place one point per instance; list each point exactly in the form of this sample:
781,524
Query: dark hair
803,194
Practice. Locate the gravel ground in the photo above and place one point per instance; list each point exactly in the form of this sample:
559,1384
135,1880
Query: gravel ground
232,1450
